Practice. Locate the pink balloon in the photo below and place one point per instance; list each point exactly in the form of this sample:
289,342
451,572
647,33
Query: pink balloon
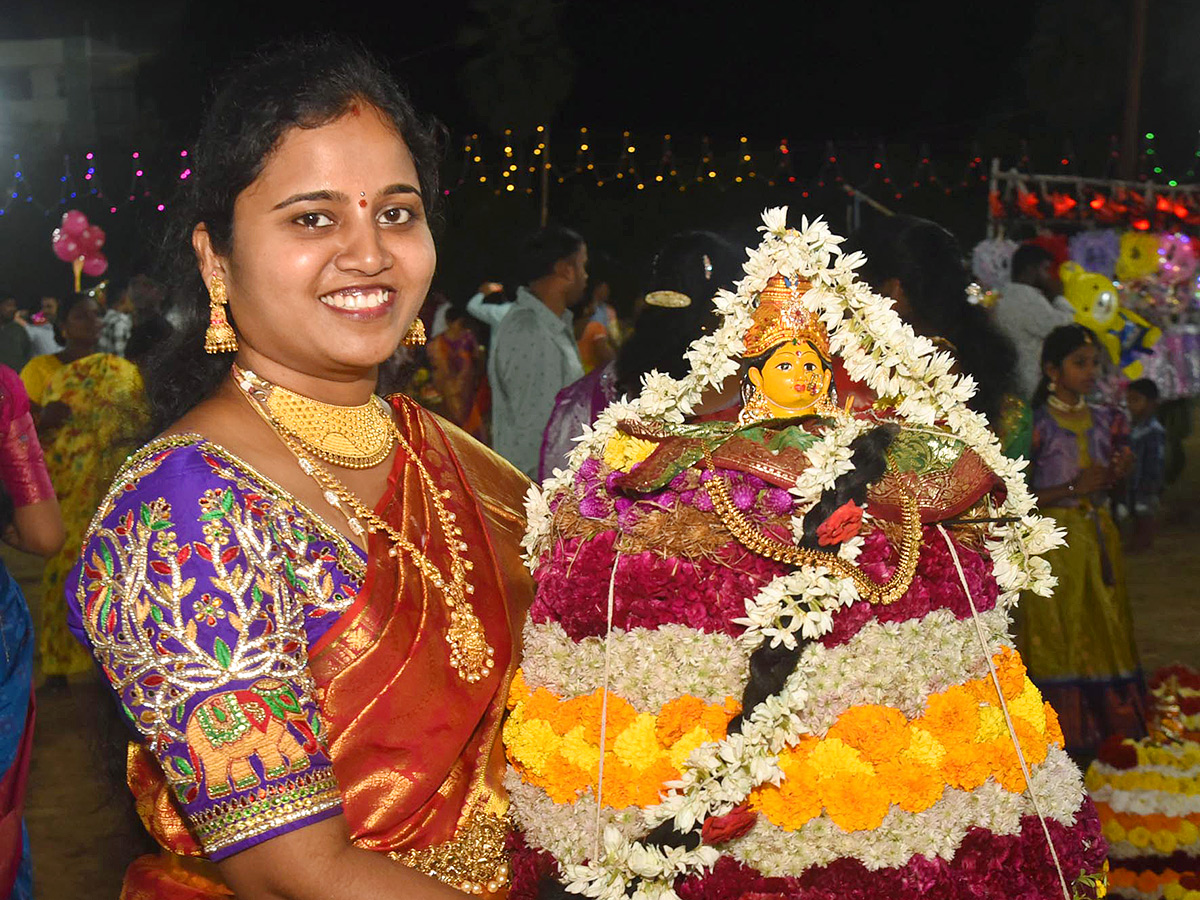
74,222
91,239
65,247
95,265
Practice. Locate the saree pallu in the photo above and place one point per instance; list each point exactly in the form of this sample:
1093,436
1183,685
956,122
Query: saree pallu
416,750
16,738
1078,644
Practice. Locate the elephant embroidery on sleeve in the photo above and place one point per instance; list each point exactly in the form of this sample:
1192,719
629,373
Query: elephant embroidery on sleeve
226,731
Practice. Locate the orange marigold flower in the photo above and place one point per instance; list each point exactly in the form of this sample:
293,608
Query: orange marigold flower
562,780
586,710
677,718
715,719
914,787
542,704
1054,733
952,716
967,766
796,800
855,804
877,732
649,784
1011,671
518,690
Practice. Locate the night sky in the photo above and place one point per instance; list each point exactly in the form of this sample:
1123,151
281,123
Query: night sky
963,77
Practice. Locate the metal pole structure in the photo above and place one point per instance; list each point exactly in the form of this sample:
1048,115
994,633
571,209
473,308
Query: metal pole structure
1133,91
545,212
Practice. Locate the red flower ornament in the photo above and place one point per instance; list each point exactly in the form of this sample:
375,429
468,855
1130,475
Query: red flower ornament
844,523
732,825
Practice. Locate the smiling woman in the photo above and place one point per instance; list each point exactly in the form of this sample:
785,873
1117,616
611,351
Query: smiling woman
302,594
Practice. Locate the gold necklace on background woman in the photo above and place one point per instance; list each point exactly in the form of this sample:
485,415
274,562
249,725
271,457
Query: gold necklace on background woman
359,437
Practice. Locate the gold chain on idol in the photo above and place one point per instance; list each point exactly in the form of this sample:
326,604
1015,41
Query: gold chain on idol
872,591
470,654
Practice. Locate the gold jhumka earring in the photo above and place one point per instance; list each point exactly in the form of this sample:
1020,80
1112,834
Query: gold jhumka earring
220,336
415,336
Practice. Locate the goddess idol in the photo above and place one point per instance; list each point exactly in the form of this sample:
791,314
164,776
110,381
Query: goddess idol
771,657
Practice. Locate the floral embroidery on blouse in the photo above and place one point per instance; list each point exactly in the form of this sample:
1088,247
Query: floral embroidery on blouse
200,588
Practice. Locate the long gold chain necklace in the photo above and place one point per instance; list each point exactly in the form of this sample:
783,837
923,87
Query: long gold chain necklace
354,437
470,654
764,545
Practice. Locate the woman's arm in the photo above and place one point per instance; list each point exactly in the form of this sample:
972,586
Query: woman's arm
37,528
318,862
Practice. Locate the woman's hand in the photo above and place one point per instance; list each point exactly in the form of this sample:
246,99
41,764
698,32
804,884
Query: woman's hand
1092,479
54,415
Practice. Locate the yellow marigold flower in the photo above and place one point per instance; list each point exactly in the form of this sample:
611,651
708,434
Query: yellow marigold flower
683,747
1114,832
855,804
923,747
1191,895
576,750
952,715
1093,780
1173,891
636,745
1139,837
1188,833
877,732
1028,705
1164,842
624,451
531,744
586,711
991,724
837,761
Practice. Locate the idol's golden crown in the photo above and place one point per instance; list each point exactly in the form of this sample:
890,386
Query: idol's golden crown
780,317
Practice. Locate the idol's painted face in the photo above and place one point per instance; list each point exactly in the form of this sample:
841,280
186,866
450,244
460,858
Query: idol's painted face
793,379
331,254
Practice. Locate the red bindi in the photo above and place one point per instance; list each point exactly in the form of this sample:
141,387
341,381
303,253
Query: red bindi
362,203
354,109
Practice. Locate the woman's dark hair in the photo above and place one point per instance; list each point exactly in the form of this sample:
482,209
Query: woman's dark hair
928,262
695,263
293,84
65,306
151,332
544,249
1059,344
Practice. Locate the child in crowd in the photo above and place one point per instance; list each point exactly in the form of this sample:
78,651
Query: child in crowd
1148,441
1078,644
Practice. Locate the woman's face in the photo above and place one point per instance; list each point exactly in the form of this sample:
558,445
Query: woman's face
1078,370
793,379
331,252
82,325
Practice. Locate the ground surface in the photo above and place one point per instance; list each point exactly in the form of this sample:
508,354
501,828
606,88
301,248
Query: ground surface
82,829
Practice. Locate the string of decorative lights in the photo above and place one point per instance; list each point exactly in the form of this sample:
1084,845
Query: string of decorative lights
522,164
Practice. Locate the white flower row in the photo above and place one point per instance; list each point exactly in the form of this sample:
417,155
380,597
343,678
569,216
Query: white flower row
937,831
649,667
1147,802
877,348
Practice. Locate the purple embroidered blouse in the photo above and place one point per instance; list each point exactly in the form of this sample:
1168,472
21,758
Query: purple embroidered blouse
200,588
1060,451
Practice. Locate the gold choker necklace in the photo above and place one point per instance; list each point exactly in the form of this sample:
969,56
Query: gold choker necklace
354,437
471,656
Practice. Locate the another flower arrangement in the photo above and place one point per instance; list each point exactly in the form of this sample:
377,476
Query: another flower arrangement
864,679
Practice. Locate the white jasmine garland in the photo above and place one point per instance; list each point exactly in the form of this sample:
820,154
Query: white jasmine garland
879,349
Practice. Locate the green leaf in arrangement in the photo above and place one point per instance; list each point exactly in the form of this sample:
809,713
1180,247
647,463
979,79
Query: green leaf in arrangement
221,650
